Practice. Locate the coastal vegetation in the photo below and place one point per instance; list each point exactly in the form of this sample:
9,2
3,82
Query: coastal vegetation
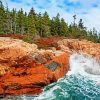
33,25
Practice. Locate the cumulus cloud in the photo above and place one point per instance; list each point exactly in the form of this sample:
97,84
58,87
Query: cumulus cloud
88,10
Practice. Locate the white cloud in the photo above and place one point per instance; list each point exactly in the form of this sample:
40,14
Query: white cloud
92,18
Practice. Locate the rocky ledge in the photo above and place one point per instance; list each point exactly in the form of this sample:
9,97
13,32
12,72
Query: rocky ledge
71,45
80,46
24,69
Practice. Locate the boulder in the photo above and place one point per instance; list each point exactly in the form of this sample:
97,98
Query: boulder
24,69
13,49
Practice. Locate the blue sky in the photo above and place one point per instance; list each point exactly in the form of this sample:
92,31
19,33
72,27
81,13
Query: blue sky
88,10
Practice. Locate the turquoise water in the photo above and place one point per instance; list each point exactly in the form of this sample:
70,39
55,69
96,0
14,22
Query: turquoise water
73,87
82,82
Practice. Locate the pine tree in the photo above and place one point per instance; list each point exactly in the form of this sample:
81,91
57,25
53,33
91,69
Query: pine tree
57,24
95,36
53,27
31,27
7,21
98,38
26,23
64,28
20,21
74,23
39,25
80,24
46,24
2,18
31,22
14,21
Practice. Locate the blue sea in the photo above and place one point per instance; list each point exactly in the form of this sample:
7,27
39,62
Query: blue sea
82,82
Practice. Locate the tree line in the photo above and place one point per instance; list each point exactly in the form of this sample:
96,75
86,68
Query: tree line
32,24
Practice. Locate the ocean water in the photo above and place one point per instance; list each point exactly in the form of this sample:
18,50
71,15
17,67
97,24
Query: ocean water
82,82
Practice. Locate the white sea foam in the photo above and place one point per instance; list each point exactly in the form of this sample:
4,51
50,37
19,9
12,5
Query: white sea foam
86,66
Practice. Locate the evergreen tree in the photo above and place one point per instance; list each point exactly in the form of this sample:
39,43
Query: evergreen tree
98,38
26,23
31,27
7,21
14,20
57,24
53,27
74,23
64,28
2,18
95,36
46,24
39,25
80,24
20,21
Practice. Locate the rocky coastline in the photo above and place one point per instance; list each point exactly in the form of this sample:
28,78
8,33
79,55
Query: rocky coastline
26,69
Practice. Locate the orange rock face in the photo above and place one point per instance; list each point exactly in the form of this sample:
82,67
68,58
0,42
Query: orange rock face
71,45
26,70
17,36
81,46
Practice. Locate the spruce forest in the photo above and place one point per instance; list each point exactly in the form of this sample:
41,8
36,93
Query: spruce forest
32,24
